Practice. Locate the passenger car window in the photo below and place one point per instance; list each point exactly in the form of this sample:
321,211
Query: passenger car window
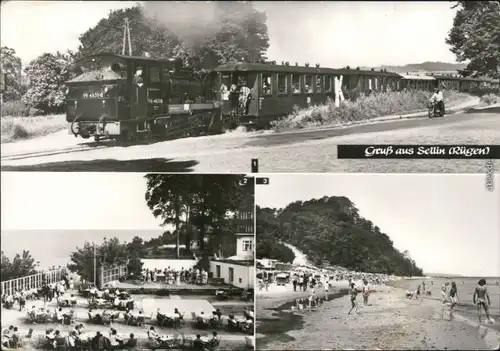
318,84
282,83
296,87
327,82
308,84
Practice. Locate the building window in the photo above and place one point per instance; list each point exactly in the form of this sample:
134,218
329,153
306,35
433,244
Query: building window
308,84
231,274
217,271
240,280
296,86
247,245
282,83
267,86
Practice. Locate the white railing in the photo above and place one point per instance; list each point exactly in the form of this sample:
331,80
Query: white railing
111,274
32,281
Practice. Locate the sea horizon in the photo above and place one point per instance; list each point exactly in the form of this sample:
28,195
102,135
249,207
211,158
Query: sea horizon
54,247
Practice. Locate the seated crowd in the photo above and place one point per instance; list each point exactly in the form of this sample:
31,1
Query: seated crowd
44,290
214,320
113,297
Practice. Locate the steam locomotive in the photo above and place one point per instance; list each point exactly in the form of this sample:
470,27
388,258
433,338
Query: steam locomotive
132,98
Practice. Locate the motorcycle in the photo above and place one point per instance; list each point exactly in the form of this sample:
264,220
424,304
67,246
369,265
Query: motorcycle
434,110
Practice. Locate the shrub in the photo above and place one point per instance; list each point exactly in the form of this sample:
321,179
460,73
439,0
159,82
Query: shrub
490,99
363,108
19,109
17,128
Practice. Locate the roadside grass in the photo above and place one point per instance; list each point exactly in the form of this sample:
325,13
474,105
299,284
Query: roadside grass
490,99
364,108
19,128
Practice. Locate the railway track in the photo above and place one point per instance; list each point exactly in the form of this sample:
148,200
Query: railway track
60,151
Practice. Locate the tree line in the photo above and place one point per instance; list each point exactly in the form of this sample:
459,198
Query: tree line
20,265
238,33
330,230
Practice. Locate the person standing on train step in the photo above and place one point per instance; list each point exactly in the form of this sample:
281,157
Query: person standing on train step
245,94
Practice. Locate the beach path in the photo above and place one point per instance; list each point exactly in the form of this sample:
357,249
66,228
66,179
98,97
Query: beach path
389,322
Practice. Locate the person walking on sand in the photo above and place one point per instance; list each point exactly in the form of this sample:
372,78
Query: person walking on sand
453,297
444,292
354,294
418,292
480,297
423,287
366,292
327,288
312,296
294,282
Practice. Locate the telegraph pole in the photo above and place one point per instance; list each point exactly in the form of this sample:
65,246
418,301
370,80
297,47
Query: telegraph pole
95,267
126,38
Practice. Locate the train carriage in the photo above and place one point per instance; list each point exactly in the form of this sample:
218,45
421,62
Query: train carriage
274,90
127,98
417,82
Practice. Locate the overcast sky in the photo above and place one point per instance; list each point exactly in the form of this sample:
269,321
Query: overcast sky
50,214
449,223
86,201
330,33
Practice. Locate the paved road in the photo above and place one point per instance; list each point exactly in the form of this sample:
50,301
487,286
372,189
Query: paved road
303,151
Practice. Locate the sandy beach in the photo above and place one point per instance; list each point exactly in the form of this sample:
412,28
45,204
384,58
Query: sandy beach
389,322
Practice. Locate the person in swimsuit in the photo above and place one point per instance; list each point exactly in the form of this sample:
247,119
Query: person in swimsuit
366,293
418,291
354,294
312,296
480,298
444,292
327,288
423,287
453,296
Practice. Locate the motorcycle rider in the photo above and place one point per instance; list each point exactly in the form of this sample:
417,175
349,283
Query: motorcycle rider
438,98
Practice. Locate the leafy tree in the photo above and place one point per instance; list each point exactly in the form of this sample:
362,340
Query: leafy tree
475,36
241,34
21,265
268,248
110,252
12,87
268,233
136,247
204,202
134,266
330,229
46,75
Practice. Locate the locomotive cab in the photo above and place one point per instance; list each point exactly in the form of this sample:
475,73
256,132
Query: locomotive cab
97,93
124,97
